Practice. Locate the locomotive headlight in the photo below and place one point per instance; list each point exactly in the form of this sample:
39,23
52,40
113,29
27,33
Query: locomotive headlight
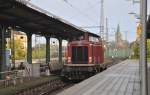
69,59
90,59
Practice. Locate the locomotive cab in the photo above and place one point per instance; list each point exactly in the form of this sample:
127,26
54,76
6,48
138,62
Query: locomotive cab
85,51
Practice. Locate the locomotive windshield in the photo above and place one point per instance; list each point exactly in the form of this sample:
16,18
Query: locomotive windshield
79,55
93,39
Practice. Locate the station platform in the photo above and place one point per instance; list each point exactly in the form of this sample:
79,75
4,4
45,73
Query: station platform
120,79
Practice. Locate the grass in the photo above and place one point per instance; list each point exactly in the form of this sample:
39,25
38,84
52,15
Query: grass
12,90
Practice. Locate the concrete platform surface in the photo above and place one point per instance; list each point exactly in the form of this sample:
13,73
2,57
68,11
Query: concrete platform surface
120,79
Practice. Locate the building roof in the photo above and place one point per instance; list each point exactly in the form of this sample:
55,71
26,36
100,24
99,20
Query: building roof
30,18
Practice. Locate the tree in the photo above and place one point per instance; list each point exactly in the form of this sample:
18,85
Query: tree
20,52
148,48
135,50
39,51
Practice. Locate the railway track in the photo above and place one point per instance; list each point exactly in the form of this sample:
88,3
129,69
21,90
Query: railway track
56,91
43,89
51,86
35,87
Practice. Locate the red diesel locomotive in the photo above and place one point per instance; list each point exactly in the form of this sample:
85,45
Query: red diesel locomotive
84,58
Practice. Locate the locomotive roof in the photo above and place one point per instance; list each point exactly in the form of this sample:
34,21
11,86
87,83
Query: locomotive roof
27,17
94,35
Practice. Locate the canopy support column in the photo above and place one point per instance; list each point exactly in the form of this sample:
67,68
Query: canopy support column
60,50
47,50
2,48
29,48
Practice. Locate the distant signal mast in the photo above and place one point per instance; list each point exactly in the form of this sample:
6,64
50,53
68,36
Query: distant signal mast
102,20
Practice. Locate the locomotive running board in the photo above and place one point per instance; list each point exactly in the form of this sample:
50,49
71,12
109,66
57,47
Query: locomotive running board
81,65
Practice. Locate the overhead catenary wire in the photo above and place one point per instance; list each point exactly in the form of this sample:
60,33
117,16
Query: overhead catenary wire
79,11
93,5
87,9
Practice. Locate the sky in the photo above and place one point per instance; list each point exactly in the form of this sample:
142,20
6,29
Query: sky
87,13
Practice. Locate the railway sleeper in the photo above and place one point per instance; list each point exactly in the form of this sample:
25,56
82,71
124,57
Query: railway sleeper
43,88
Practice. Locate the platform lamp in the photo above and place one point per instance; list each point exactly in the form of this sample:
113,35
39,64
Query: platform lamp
143,45
134,1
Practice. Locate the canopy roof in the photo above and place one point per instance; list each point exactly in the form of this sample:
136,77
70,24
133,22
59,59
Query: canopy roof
30,18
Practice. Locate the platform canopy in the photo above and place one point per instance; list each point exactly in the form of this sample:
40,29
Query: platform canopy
30,18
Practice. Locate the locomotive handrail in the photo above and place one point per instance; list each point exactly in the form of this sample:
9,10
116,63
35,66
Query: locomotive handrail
79,64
